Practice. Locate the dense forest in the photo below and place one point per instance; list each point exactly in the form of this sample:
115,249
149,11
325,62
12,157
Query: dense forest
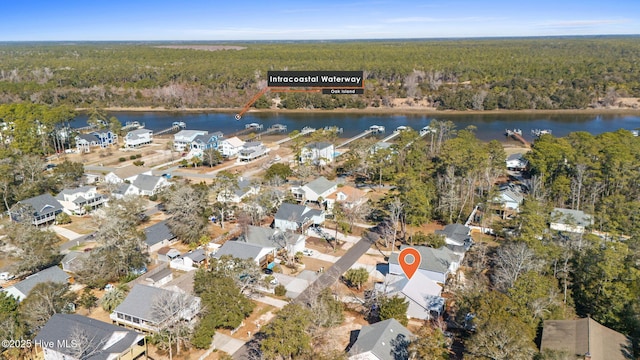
536,73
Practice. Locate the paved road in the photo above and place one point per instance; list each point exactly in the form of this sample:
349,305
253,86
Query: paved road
327,279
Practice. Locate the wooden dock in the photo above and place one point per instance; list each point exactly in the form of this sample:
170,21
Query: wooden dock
361,135
305,131
168,130
519,137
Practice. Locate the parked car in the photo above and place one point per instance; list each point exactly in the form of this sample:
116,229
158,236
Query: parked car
307,252
6,276
267,271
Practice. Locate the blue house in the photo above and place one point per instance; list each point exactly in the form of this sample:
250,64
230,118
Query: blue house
208,141
102,138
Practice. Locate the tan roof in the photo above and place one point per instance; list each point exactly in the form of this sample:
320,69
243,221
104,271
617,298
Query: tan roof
234,141
352,193
577,337
130,170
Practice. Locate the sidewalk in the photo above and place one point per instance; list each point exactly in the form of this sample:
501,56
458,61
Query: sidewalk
271,301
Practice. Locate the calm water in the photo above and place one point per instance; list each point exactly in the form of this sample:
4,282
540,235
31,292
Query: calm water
489,127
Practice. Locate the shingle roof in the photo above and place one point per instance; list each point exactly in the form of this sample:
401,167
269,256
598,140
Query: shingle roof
318,145
436,260
515,196
105,340
516,156
53,274
291,212
160,275
456,232
577,217
388,340
578,337
239,249
197,255
234,141
43,204
320,185
146,182
89,137
157,233
139,302
267,237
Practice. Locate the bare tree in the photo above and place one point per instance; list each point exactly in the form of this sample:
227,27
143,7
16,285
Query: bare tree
396,208
511,261
84,345
169,310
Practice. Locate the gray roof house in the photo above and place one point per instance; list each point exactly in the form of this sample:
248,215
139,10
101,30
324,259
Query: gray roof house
72,261
243,250
138,137
244,188
318,153
422,293
297,217
76,201
582,337
457,235
40,209
158,235
384,340
103,341
314,190
21,290
252,150
137,309
575,221
274,239
436,264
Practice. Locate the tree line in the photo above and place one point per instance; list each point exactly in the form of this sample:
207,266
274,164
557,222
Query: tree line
536,73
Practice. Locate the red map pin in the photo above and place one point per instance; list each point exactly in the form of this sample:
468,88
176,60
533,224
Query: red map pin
409,260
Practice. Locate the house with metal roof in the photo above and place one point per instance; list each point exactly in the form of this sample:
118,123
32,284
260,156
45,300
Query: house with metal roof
585,339
137,310
138,137
22,289
422,294
38,210
77,201
435,264
574,221
297,217
158,235
384,340
77,337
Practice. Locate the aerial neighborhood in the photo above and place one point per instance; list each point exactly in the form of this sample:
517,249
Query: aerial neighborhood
168,201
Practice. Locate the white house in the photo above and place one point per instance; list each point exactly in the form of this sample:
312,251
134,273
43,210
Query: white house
244,188
516,162
348,196
318,153
274,239
435,264
574,221
252,150
102,138
244,250
138,137
457,235
316,189
77,201
297,217
126,173
422,294
509,199
142,185
184,138
136,311
230,147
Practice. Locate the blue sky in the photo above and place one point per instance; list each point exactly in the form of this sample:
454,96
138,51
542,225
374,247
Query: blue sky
25,20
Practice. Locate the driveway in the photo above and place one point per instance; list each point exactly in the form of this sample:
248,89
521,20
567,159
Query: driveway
70,235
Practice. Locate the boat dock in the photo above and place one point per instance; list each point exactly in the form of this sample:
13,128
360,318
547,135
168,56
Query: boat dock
517,135
305,131
273,129
176,126
395,133
361,135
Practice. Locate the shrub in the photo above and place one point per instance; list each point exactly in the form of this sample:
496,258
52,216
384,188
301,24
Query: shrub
122,159
63,218
138,163
280,290
132,157
138,156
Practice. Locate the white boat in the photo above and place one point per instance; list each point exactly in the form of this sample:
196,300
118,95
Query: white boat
180,124
540,132
427,130
509,132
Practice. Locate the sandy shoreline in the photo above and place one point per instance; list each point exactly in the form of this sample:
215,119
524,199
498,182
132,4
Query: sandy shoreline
374,111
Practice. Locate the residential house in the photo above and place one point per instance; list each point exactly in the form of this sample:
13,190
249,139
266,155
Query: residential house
435,264
574,221
297,217
102,138
230,147
585,339
274,239
72,261
149,184
244,188
347,196
136,311
207,141
197,257
384,340
63,334
318,153
80,200
21,289
509,198
38,210
167,254
183,138
126,174
317,190
252,150
189,261
160,278
239,249
381,146
457,235
138,137
516,162
422,294
158,236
